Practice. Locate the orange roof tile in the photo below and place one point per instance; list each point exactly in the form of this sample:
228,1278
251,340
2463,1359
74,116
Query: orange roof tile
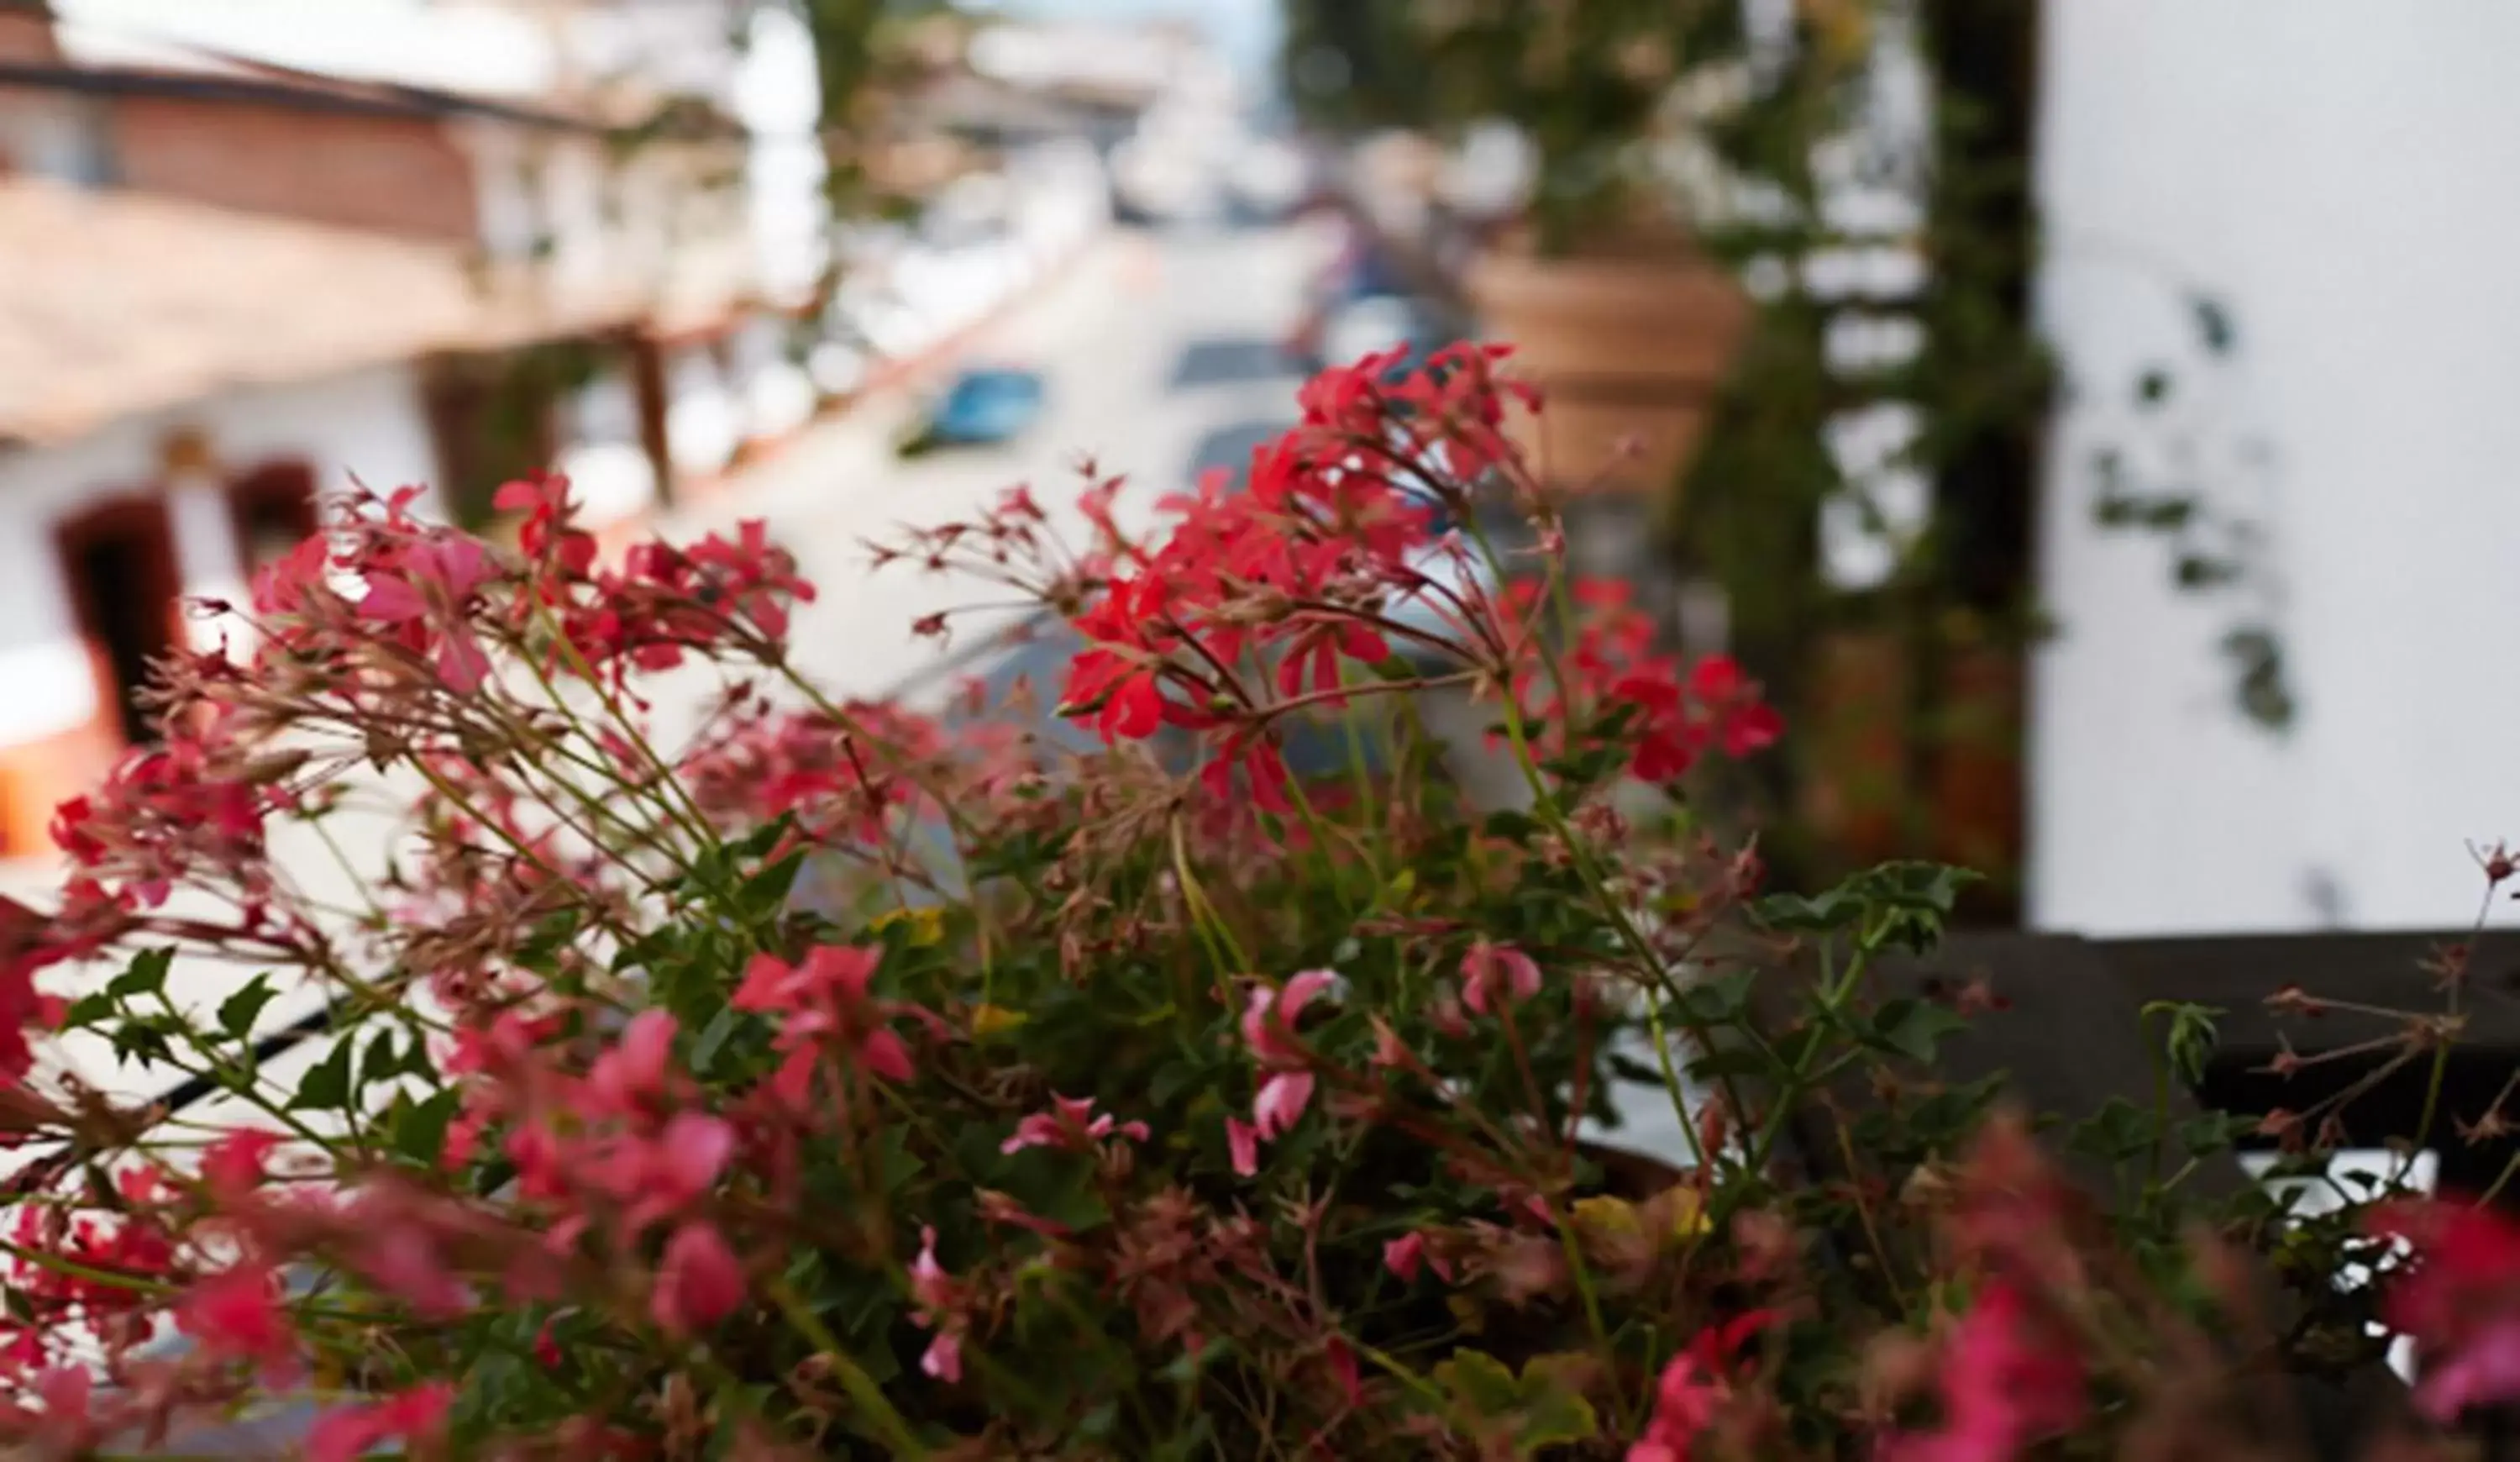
113,303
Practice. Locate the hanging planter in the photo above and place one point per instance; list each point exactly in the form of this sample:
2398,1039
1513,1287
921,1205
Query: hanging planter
1627,347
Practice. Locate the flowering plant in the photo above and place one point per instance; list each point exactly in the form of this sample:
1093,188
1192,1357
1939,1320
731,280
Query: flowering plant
839,1081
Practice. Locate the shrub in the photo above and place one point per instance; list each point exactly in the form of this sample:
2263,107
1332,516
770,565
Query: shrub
1093,1105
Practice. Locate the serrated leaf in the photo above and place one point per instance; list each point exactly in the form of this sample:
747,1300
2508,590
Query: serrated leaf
238,1011
416,1131
1794,913
1718,1000
1913,883
325,1086
1915,1028
2214,1132
763,893
88,1010
141,1041
2118,1131
1479,1382
1555,1412
382,1059
145,975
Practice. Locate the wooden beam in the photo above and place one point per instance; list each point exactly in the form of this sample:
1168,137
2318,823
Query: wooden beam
2389,970
2069,1038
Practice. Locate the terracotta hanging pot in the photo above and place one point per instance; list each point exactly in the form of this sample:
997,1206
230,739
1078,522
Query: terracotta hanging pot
1629,346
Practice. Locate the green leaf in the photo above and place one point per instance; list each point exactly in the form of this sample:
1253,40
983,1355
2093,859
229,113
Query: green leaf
1733,1063
1479,1382
1720,1000
416,1131
1555,1412
1911,884
2214,1132
2119,1131
2191,1037
238,1012
1793,913
766,892
145,976
1077,1200
1915,1028
382,1059
1512,826
1542,1408
1626,1068
1906,903
88,1010
143,1039
326,1087
1170,1080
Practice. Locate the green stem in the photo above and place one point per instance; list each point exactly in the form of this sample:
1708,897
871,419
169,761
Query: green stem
860,1385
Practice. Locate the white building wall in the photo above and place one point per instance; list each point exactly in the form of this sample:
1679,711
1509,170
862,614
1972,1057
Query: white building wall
704,418
777,93
367,427
2339,177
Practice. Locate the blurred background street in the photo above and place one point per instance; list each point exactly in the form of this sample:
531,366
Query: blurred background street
2082,417
1163,356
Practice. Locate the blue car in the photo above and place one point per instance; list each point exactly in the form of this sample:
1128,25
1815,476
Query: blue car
980,408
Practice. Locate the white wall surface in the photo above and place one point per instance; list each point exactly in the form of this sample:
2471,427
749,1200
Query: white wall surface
703,421
777,92
2339,172
487,48
368,424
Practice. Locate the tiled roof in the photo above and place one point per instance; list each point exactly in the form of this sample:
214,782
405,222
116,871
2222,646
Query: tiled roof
113,303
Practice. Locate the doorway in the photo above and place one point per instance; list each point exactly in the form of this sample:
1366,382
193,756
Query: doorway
119,564
274,510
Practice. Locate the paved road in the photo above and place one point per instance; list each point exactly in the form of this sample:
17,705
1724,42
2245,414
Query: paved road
1162,359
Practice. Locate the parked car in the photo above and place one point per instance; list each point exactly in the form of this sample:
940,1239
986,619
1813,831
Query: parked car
981,407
